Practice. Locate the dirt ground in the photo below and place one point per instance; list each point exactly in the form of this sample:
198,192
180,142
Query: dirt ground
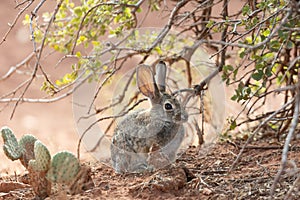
197,174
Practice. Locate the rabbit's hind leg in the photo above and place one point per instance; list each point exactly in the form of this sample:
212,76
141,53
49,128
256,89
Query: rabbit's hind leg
120,160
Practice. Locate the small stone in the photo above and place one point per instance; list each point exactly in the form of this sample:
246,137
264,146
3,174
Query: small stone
207,191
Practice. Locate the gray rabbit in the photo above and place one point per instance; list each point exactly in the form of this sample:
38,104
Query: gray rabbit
155,132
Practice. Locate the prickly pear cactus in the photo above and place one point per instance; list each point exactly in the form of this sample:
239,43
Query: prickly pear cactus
42,158
38,168
64,168
37,171
33,155
11,147
26,145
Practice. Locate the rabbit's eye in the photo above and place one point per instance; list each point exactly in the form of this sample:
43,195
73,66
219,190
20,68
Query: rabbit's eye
168,106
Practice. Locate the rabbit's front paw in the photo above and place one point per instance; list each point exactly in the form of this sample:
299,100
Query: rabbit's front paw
142,167
156,158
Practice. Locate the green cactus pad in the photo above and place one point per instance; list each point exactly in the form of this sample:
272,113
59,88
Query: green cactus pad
26,144
42,158
64,167
11,147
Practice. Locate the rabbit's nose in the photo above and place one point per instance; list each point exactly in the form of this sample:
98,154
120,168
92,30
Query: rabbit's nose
184,116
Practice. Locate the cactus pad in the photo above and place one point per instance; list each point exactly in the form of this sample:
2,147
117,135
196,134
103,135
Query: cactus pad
42,158
64,167
26,145
11,147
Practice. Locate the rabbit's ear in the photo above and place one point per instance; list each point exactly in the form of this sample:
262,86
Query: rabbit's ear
160,76
146,82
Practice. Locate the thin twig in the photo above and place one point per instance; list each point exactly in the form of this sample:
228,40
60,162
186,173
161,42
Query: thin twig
13,69
295,185
105,118
50,100
38,59
288,139
11,26
33,15
106,79
14,91
168,26
136,6
113,119
255,132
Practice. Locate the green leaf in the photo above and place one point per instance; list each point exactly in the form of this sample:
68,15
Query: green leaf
158,50
275,45
246,10
127,11
210,24
266,32
268,56
283,34
268,71
259,65
78,11
78,54
234,97
257,75
242,53
228,68
232,125
290,45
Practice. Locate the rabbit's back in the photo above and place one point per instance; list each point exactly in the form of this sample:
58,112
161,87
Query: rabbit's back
138,131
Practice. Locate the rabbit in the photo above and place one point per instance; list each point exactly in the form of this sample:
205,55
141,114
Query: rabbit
159,127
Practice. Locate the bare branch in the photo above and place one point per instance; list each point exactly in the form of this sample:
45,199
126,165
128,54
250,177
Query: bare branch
33,15
288,139
13,69
256,131
38,58
106,118
11,26
48,100
168,26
